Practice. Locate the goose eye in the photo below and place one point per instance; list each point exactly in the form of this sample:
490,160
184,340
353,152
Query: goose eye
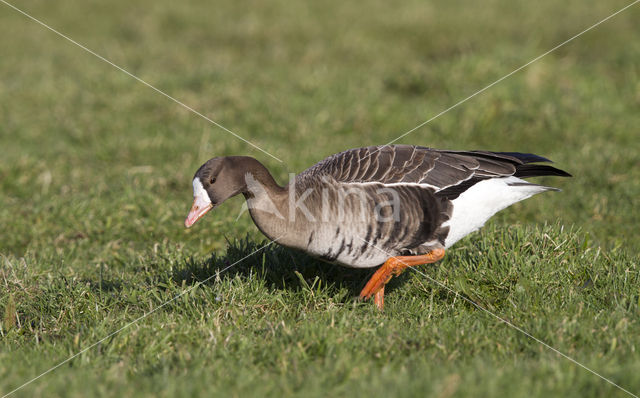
212,180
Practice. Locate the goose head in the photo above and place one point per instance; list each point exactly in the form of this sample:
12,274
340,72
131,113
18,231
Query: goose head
216,181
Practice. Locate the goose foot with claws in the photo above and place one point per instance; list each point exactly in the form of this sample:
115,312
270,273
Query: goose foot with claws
394,267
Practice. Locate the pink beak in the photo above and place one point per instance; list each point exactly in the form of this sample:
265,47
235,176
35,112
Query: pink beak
199,209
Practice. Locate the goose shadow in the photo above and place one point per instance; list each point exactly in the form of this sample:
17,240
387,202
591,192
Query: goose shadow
281,268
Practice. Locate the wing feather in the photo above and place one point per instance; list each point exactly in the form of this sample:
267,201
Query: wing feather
453,171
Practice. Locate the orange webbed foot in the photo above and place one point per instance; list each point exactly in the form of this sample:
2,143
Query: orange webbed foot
380,278
394,266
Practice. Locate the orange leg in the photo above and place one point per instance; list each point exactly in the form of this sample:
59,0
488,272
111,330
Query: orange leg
395,266
378,298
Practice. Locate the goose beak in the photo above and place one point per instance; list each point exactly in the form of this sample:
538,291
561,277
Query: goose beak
199,209
201,204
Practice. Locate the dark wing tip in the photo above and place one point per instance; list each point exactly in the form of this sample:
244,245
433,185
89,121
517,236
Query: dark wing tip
525,157
533,170
537,170
564,173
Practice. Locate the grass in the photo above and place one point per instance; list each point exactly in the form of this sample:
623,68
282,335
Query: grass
95,183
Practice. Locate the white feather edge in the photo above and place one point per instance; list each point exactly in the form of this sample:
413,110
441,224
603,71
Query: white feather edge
393,184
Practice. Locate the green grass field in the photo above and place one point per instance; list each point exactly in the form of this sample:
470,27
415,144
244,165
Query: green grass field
95,182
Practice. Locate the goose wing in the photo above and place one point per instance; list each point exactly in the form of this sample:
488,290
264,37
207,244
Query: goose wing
448,173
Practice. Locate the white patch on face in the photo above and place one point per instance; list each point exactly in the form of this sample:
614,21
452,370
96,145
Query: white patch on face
199,193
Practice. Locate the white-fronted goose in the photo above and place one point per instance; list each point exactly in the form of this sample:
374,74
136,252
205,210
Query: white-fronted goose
398,205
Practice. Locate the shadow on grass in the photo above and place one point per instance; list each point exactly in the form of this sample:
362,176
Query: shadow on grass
280,267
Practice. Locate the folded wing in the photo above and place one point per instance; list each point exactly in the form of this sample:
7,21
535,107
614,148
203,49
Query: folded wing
447,173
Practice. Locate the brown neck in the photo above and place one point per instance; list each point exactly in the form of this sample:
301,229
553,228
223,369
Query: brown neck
252,172
266,200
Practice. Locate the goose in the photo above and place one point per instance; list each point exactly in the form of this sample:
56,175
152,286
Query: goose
393,206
